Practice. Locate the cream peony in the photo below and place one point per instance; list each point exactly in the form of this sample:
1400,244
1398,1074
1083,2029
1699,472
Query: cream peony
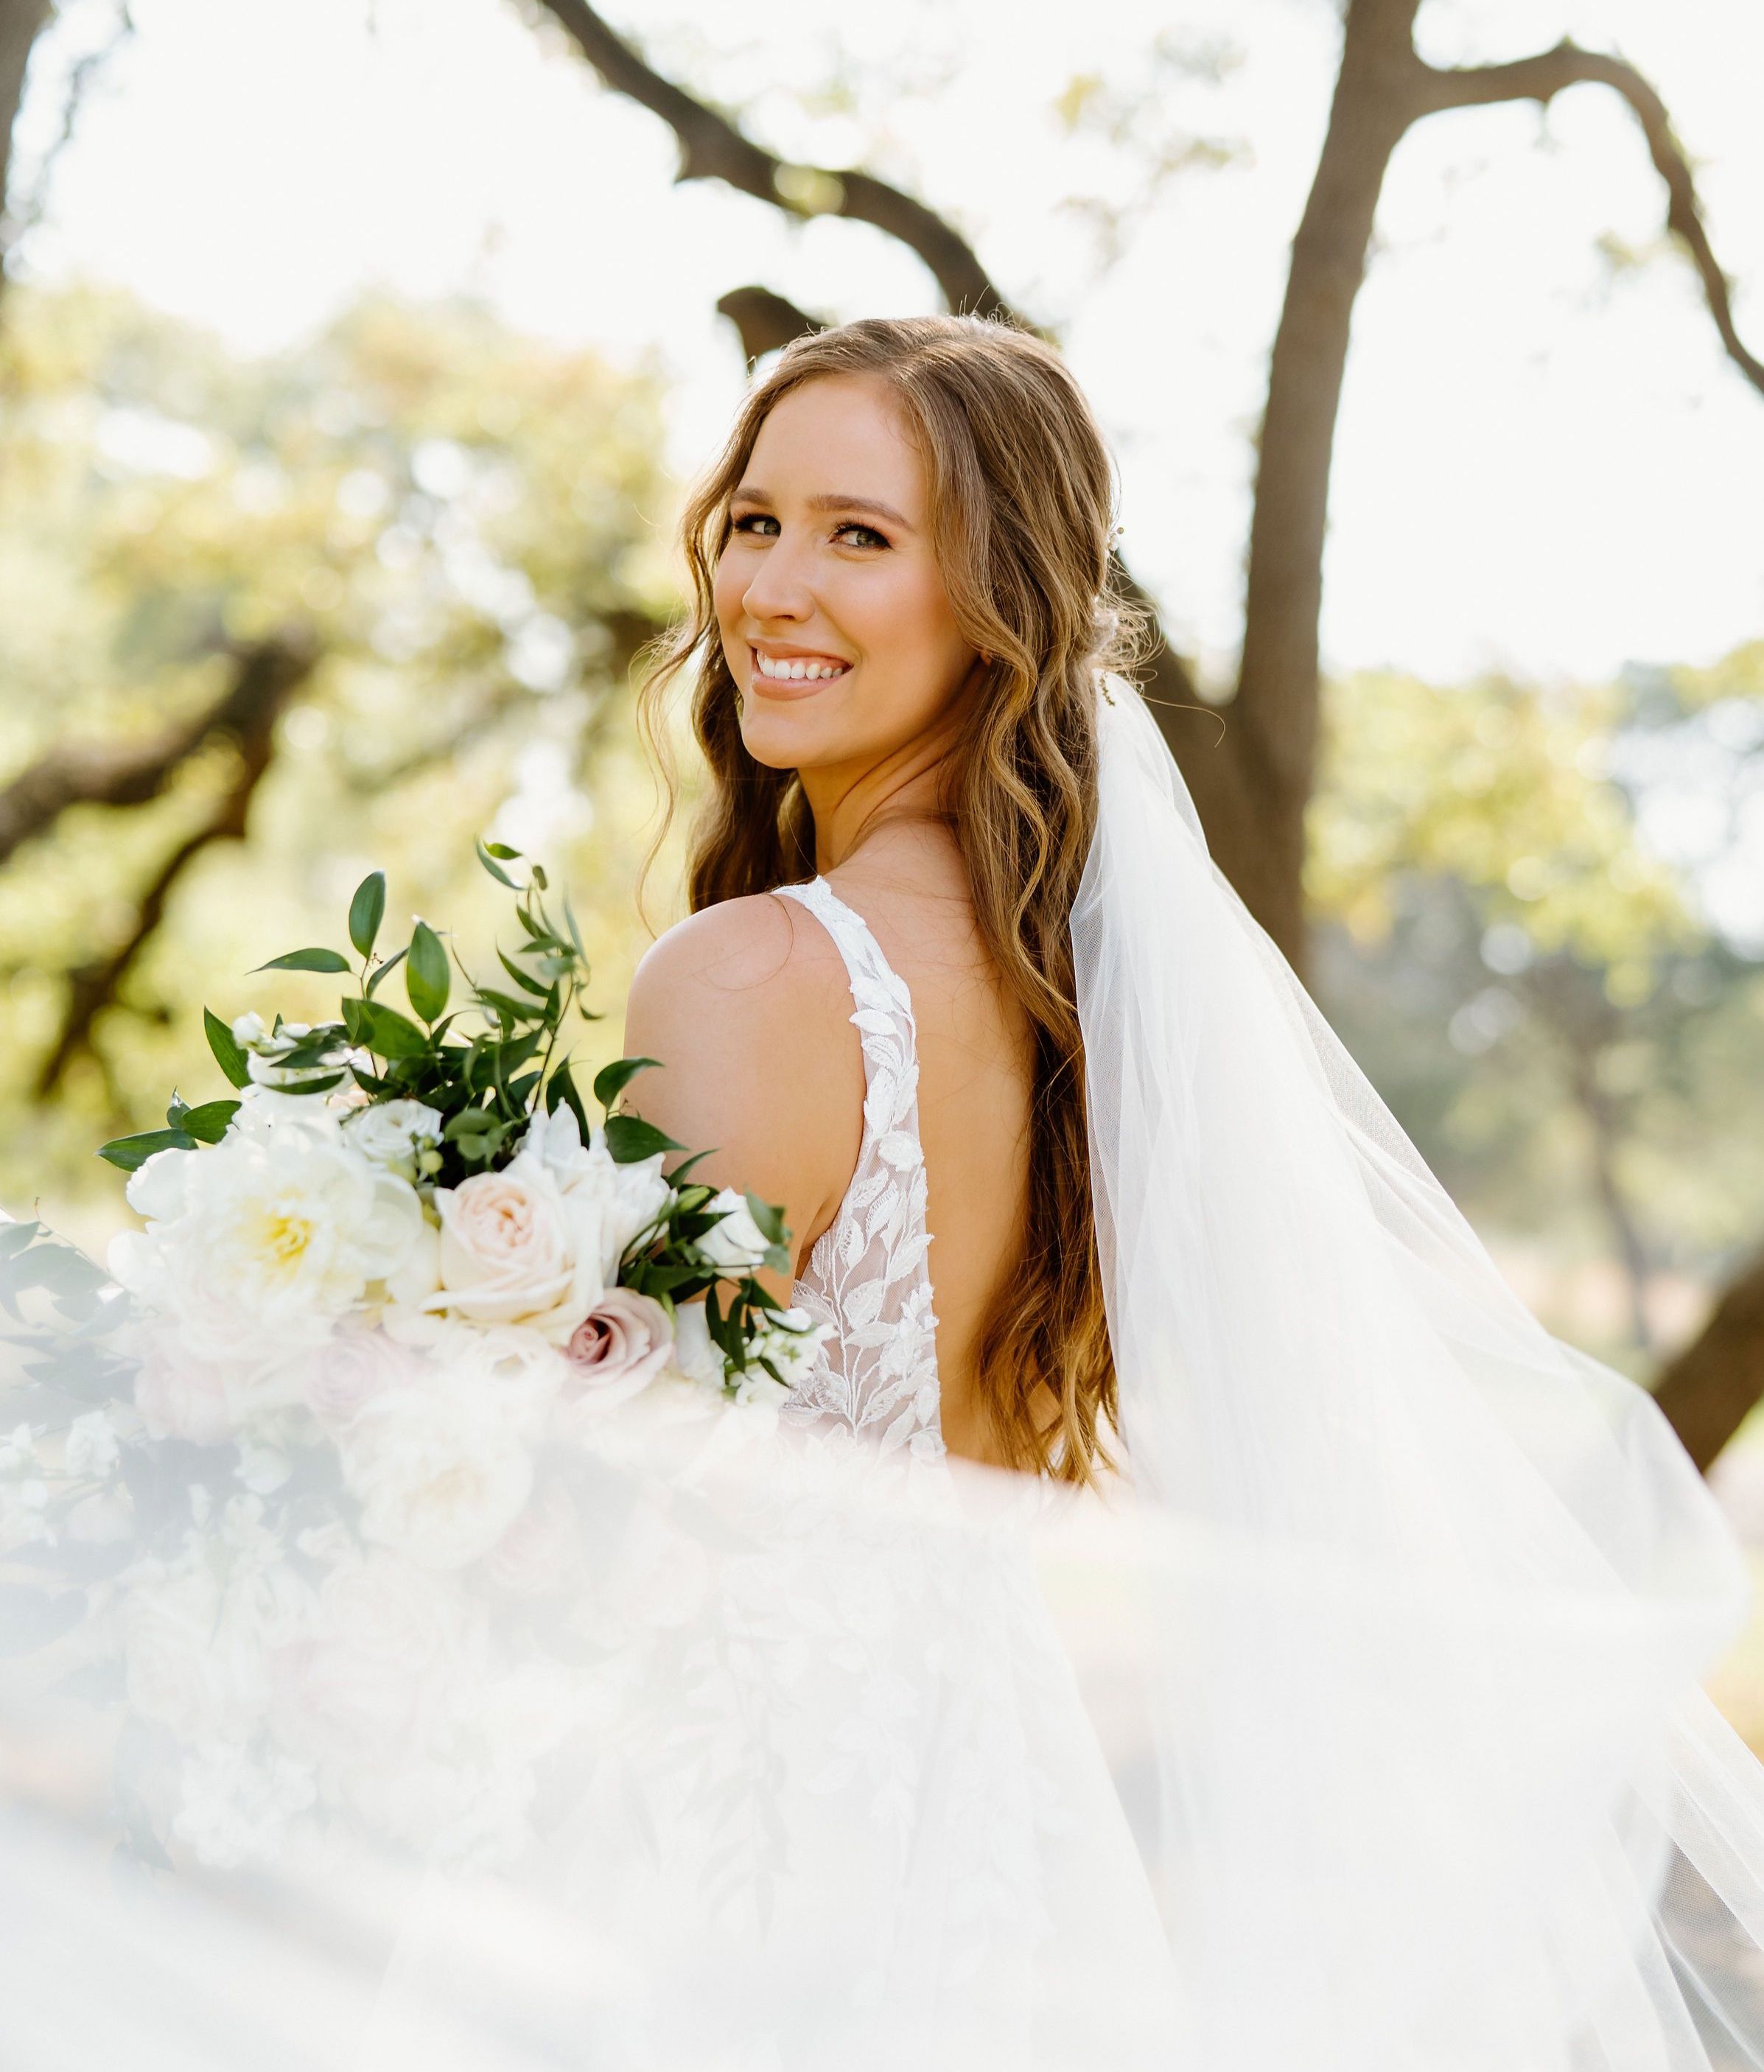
256,1245
440,1473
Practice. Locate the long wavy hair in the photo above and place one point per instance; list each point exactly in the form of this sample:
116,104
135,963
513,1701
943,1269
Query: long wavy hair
1022,497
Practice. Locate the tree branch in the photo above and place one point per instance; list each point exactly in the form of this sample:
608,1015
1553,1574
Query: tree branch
1550,73
1708,1391
74,775
765,321
711,148
269,674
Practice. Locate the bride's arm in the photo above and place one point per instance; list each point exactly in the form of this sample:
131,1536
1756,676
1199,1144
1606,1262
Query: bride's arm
747,1007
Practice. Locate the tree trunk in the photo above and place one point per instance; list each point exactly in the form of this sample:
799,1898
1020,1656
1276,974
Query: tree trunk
1274,719
1708,1390
21,21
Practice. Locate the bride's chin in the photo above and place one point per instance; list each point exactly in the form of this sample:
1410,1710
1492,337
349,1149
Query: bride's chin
776,741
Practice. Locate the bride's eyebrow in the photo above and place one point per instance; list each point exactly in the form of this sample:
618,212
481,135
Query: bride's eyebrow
751,493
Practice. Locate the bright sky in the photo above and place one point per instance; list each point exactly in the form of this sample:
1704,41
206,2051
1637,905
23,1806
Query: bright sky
1541,465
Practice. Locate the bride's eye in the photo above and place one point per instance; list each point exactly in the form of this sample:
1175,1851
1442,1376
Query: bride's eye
750,523
870,537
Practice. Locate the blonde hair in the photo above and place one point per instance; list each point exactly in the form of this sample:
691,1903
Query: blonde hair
1022,497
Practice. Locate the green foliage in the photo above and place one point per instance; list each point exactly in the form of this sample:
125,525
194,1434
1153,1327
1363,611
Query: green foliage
1543,999
470,527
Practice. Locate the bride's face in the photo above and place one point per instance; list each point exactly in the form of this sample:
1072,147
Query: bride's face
838,628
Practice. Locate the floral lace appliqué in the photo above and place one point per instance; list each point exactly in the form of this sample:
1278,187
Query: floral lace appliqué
866,1276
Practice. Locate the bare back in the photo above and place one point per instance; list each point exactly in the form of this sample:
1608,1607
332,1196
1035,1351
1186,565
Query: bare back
748,1007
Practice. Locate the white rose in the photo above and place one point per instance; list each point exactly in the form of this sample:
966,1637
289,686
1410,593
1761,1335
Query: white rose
440,1474
516,1248
632,1197
738,1243
255,1246
395,1134
697,1356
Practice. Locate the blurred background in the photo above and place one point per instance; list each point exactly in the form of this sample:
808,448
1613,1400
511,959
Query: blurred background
353,357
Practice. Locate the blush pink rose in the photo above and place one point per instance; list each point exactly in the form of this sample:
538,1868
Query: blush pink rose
619,1348
350,1368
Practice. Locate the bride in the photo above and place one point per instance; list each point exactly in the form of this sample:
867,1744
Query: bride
1188,1613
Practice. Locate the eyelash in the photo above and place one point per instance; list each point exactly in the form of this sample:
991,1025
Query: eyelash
752,518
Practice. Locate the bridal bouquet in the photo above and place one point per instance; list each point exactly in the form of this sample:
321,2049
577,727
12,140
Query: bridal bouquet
312,1487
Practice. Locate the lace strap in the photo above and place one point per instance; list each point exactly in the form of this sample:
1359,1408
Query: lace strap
867,1276
876,988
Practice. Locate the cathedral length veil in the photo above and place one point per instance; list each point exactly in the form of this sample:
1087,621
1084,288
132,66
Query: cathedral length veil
1429,1591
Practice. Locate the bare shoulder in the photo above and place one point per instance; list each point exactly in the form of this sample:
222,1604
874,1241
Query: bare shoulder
757,969
746,1008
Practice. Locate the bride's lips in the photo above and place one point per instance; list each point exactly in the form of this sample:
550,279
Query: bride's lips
793,687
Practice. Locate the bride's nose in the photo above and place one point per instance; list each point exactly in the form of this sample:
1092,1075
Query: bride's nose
780,588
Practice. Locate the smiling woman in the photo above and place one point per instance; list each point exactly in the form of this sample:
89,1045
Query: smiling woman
897,563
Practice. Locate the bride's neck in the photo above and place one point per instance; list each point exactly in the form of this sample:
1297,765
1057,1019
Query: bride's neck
854,806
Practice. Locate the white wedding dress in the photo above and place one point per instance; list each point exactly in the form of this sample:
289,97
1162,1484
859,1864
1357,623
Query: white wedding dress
1364,1737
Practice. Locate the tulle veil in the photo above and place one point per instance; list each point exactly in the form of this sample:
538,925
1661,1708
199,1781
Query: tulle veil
1435,1590
1392,1638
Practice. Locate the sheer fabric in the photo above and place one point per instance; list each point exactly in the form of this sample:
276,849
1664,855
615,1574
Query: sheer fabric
1362,1732
1433,1590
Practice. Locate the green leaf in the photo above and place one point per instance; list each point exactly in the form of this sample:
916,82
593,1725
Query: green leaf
396,958
562,1091
367,911
176,1109
630,1138
770,1218
132,1153
685,1166
228,1055
513,1010
386,1032
426,974
502,850
308,960
471,1122
612,1080
208,1124
487,852
524,980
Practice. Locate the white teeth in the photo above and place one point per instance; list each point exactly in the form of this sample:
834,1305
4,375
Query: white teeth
783,670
